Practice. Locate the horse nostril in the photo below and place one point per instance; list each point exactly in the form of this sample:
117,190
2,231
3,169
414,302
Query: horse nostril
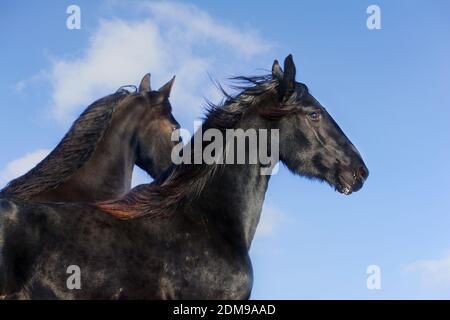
362,173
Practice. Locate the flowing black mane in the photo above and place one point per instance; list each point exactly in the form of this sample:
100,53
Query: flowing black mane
182,183
71,153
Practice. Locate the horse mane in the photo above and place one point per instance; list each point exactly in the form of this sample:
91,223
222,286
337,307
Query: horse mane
182,183
71,153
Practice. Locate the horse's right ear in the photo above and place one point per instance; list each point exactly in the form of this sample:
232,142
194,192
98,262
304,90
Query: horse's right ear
287,81
167,88
145,84
277,72
289,73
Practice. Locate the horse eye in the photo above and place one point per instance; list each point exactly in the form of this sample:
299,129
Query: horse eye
314,116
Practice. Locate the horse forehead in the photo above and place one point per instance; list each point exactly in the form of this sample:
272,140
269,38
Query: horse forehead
312,101
155,97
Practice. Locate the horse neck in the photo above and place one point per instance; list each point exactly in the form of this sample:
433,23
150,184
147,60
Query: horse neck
108,172
237,193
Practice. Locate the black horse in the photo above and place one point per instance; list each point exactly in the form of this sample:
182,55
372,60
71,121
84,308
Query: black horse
95,159
187,235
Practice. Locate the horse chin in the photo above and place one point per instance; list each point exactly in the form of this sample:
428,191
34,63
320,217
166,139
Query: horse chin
343,187
339,184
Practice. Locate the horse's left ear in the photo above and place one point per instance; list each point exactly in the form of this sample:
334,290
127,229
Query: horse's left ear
276,70
145,84
167,88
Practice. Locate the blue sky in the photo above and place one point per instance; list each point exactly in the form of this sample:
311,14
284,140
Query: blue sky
388,89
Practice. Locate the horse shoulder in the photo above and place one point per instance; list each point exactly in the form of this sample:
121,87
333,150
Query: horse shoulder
8,217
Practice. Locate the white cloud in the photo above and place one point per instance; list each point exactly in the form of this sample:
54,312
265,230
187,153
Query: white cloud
174,38
197,24
21,85
270,219
434,272
22,165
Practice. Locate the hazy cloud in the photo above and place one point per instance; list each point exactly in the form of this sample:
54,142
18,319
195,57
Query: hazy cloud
174,38
433,272
22,165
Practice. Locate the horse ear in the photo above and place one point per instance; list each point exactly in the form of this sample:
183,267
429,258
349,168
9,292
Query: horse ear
277,72
145,84
289,73
287,80
167,88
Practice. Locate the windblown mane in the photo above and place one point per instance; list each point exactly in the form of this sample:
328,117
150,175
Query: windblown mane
71,153
182,183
